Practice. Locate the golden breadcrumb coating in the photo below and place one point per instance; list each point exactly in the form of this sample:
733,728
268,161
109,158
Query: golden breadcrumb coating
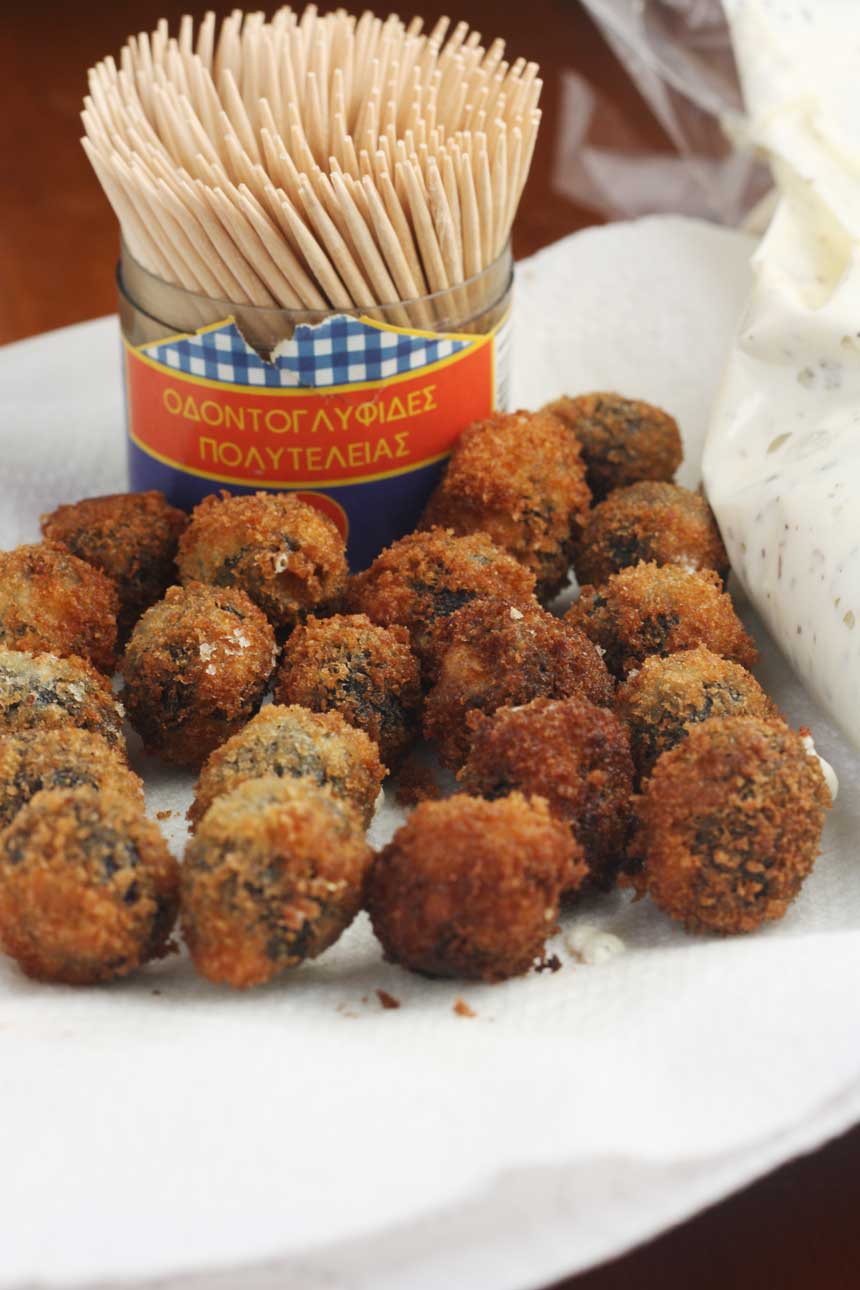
622,440
520,478
573,754
425,577
273,876
52,602
470,888
668,696
492,654
281,551
730,824
292,743
88,888
43,692
196,668
649,521
40,759
660,609
131,537
367,673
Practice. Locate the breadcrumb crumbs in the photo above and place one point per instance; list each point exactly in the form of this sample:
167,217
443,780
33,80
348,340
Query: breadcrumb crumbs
387,1000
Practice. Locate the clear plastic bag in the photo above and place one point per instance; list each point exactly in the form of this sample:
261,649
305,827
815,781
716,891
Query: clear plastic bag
679,54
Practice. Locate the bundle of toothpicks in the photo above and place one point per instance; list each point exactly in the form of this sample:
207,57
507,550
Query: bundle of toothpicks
313,162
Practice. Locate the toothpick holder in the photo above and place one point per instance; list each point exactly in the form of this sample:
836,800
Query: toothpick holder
356,410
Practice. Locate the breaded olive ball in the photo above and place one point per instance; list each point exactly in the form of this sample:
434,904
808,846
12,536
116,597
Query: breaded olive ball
42,759
43,692
281,551
730,824
667,697
470,888
53,602
293,743
493,655
196,668
425,577
660,609
520,478
131,537
367,673
649,521
88,888
622,440
273,876
573,754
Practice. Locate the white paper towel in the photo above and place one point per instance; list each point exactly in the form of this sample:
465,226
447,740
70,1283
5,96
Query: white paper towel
300,1135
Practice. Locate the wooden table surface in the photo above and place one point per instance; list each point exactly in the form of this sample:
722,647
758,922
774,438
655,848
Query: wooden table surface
798,1228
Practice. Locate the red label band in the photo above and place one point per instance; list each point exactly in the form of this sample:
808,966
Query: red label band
304,437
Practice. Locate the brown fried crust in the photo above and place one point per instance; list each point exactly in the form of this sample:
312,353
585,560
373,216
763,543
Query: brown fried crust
196,668
42,759
273,876
649,521
416,783
470,888
367,673
53,602
425,577
292,742
622,440
43,692
730,824
573,754
660,609
88,888
131,537
668,696
492,654
281,551
520,478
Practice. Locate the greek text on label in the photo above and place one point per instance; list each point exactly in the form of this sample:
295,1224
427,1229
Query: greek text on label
279,421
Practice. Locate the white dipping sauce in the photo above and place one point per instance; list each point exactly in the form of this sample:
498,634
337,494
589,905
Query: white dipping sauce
830,777
782,459
591,945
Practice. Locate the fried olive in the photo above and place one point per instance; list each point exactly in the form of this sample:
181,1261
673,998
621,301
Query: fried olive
53,602
131,537
660,609
622,440
273,876
470,888
649,521
667,697
491,654
196,668
730,824
427,576
281,551
573,754
43,692
291,742
88,888
42,759
367,673
520,478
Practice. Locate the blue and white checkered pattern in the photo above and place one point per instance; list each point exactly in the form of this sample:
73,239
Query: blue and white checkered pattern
339,351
